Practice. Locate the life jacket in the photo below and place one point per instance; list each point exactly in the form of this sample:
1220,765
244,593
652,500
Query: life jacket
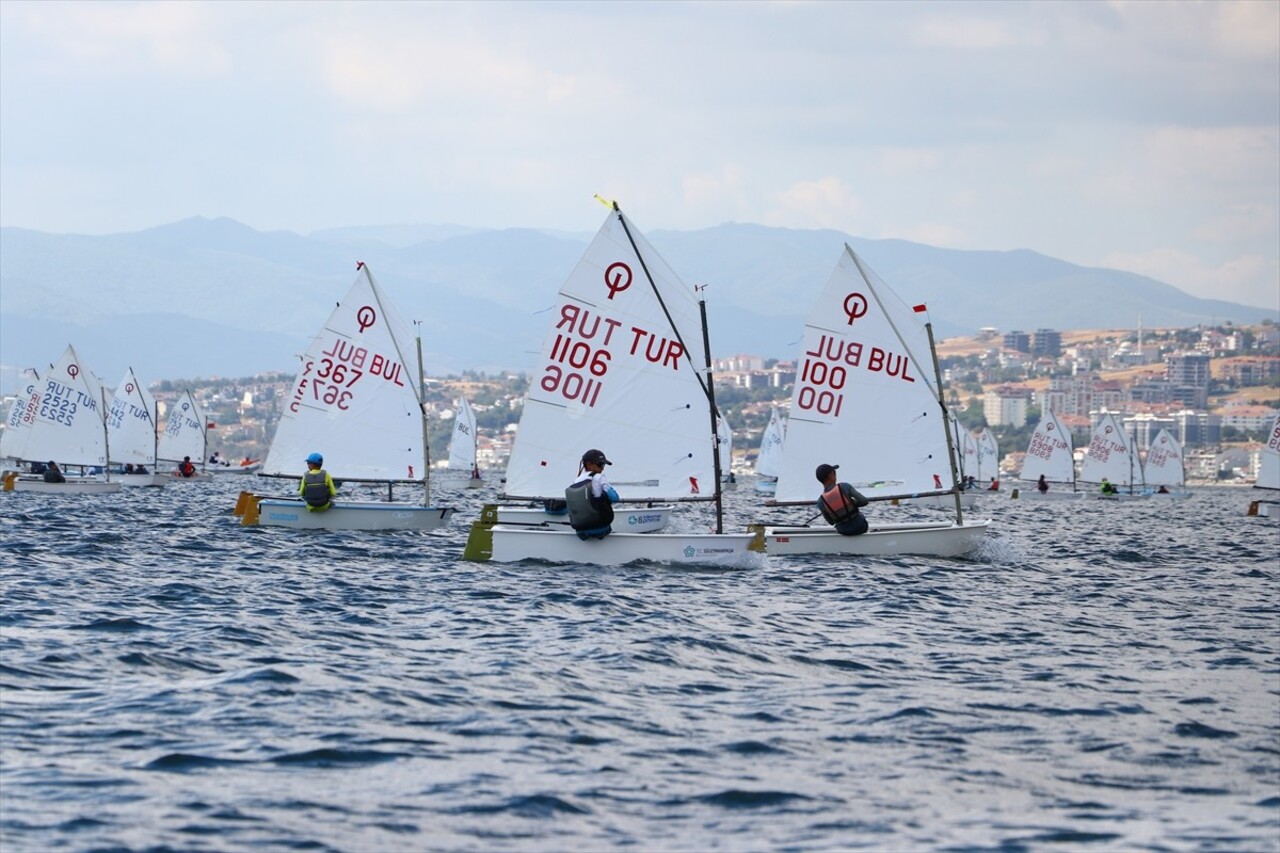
186,469
315,489
836,505
587,512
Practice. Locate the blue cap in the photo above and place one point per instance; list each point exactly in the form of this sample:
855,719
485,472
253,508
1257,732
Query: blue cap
315,459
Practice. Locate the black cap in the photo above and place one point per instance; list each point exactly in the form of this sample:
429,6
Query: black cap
596,457
824,471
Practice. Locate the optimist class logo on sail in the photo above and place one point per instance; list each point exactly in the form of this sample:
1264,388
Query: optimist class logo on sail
587,341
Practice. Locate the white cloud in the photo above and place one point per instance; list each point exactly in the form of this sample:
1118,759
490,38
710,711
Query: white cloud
823,203
1232,280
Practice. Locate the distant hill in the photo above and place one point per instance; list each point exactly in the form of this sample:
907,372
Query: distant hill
213,297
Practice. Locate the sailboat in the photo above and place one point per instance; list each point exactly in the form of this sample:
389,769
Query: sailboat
66,425
356,403
967,462
988,459
863,399
729,482
616,372
21,415
131,429
1111,455
769,459
462,447
1164,467
185,436
1051,454
1268,482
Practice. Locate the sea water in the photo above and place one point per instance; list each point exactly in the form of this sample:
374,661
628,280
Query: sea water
1106,676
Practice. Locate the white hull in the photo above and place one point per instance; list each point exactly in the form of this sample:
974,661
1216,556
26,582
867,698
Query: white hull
1120,496
1172,495
140,481
1032,494
640,520
766,487
233,469
349,515
475,483
512,544
71,487
968,500
944,539
1265,509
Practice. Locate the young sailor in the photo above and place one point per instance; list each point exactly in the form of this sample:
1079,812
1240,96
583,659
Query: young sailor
317,487
590,498
839,503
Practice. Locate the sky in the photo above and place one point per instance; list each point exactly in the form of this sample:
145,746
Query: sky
1140,136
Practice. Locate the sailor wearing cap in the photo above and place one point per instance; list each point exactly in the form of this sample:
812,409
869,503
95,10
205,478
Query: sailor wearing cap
317,487
839,503
591,498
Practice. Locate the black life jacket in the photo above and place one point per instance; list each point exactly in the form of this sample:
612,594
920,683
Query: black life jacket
836,505
315,488
587,512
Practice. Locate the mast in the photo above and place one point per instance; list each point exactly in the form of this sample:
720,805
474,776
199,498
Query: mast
106,435
422,408
715,430
951,447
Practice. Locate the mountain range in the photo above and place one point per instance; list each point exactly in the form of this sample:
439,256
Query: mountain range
214,297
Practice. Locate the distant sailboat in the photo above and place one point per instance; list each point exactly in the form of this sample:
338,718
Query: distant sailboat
1051,455
131,428
1112,456
462,447
769,459
1268,482
185,436
728,481
988,459
1164,467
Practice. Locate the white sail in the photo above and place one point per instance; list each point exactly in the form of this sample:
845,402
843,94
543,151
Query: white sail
21,416
966,449
1164,466
1050,453
613,375
185,431
1269,461
988,456
131,426
356,400
724,434
769,461
67,425
863,398
1110,455
462,447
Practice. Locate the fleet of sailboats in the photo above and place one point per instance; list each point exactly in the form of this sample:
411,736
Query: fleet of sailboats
64,421
626,364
